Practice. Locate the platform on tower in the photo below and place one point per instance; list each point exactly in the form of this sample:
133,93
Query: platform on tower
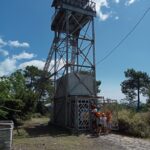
80,13
87,5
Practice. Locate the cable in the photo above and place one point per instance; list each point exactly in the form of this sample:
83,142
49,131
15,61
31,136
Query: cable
125,37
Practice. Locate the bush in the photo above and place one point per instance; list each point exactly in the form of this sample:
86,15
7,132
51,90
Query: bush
135,124
3,114
36,115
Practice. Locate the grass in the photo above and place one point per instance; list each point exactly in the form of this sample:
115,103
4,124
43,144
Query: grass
23,131
36,134
66,143
135,124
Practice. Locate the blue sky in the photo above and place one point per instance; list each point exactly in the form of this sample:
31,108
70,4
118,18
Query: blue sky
25,38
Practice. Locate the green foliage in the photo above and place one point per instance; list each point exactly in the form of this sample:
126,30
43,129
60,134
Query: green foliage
147,93
135,124
98,84
18,86
20,93
37,83
15,105
135,85
5,88
3,114
32,75
41,108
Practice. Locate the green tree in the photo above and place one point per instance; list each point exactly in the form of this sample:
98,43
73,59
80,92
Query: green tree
98,84
16,100
9,106
147,94
18,86
32,75
36,82
20,93
5,88
136,84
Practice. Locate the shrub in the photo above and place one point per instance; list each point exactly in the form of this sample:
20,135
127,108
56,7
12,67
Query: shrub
135,124
36,115
124,120
3,114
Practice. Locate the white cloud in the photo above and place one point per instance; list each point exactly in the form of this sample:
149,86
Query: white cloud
129,2
99,5
2,42
17,44
104,16
24,55
116,18
7,66
37,63
4,52
40,64
117,1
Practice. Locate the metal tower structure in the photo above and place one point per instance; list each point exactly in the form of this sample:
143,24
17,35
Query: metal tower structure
71,62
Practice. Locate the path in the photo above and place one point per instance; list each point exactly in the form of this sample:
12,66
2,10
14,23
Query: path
43,137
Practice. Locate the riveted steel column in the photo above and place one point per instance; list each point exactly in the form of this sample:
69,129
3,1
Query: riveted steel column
55,61
94,62
67,65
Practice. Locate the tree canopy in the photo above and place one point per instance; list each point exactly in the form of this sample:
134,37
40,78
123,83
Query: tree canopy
19,93
137,83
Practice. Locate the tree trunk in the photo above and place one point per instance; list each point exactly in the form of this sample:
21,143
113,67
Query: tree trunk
138,92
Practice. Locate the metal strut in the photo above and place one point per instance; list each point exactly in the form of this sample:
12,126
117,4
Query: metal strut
71,59
49,58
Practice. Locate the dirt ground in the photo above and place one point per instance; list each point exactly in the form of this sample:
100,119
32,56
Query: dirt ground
40,136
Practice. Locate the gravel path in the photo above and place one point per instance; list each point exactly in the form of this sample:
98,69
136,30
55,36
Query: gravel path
83,142
117,142
40,136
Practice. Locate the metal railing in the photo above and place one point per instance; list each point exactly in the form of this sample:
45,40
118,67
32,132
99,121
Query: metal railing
6,130
84,4
55,14
88,5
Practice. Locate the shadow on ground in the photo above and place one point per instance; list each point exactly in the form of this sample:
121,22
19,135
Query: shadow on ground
46,130
43,129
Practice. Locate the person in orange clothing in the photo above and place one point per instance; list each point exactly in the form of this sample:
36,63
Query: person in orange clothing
109,121
104,122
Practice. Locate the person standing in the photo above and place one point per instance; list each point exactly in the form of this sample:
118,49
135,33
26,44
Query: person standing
93,118
109,121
